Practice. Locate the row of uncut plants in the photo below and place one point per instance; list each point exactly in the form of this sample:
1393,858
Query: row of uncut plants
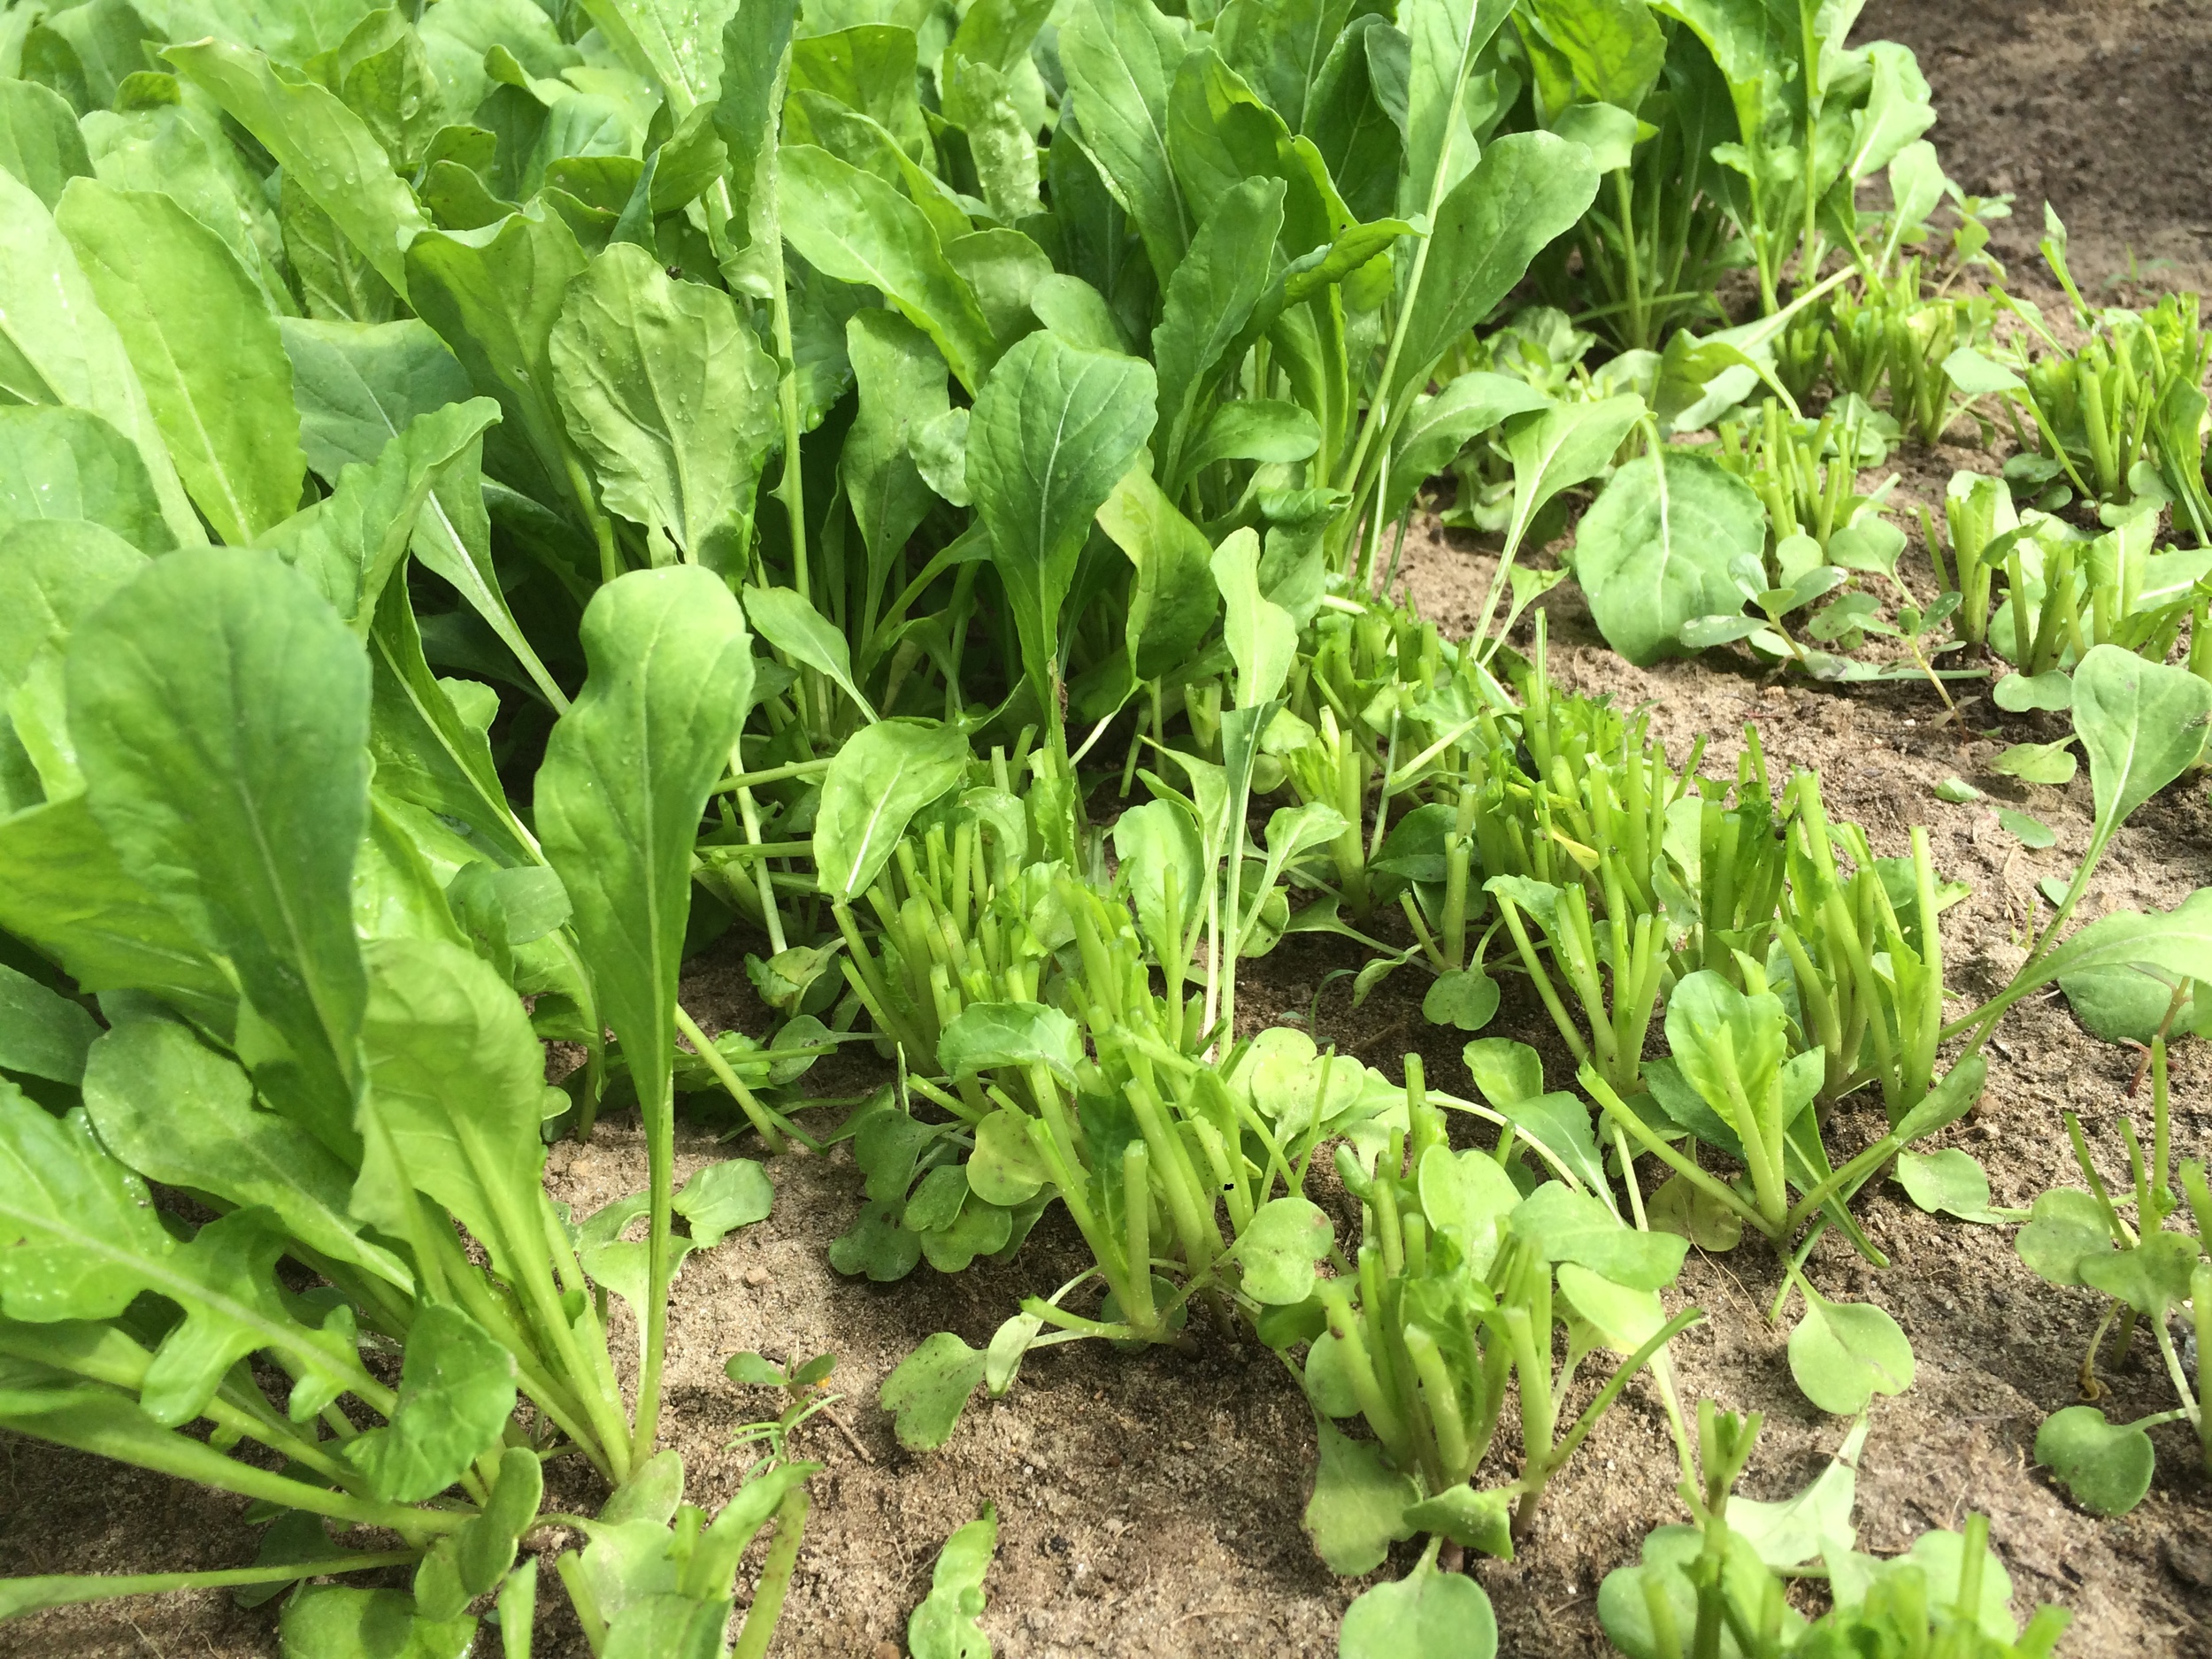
493,497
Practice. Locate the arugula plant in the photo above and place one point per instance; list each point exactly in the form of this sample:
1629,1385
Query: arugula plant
274,952
1717,1586
1451,1297
2153,1274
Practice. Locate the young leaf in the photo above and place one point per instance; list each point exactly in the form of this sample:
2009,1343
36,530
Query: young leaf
1654,551
799,631
1563,1226
929,1389
2030,833
2106,1467
1430,1616
1262,638
200,333
669,394
2039,762
1053,431
493,296
948,1624
2016,693
331,1621
985,1035
723,1197
457,1390
877,782
1842,1354
347,544
1815,1522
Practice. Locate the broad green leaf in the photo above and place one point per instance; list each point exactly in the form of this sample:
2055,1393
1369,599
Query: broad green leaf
1444,38
2120,1004
1468,1194
1731,1047
929,1389
349,544
755,43
220,710
869,68
40,142
877,1245
323,146
457,1389
2141,724
985,1035
1430,1616
80,1239
1624,1318
1465,998
1280,1248
2066,1227
1358,1506
1053,431
723,1197
2176,942
1149,841
1527,188
679,45
1842,1354
1120,59
455,1084
1654,551
946,1624
57,346
795,627
331,1621
63,465
63,888
2030,833
852,225
2151,1277
493,296
1478,1520
625,783
359,386
1172,601
1207,303
1976,376
902,382
877,781
200,333
670,395
42,1033
54,572
1263,639
1278,48
183,1115
2106,1467
1562,1225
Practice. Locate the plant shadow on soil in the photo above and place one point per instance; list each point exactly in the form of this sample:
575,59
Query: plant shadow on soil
1150,1504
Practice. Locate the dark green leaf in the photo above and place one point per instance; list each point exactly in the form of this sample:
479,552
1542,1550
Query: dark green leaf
2105,1466
929,1389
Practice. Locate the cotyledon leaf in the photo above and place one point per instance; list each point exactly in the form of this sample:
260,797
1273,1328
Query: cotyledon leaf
882,776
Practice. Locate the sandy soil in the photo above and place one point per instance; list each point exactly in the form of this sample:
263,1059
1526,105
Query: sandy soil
1150,1504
